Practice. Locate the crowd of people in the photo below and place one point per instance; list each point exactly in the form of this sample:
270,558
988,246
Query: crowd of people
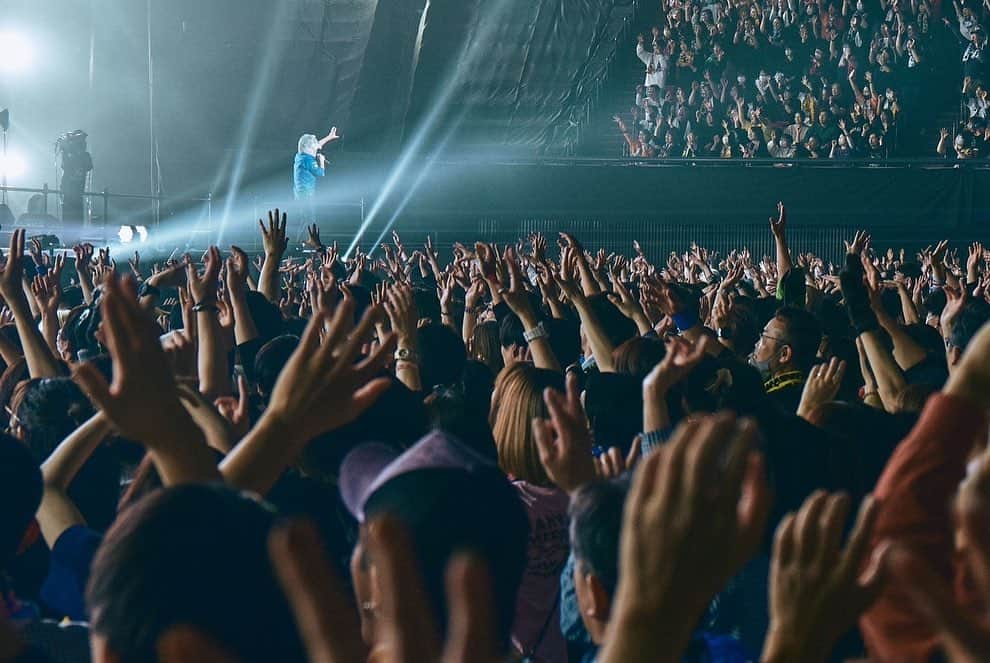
536,452
815,79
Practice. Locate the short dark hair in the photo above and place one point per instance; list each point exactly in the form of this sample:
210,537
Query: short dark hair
20,492
804,334
271,359
971,319
617,327
596,523
614,405
511,332
194,555
442,355
446,512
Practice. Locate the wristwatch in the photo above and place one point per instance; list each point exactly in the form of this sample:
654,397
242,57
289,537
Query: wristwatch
407,355
539,331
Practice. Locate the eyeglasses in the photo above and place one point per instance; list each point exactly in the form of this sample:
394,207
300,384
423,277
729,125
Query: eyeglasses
772,338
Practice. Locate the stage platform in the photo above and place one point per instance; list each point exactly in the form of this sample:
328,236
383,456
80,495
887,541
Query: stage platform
609,203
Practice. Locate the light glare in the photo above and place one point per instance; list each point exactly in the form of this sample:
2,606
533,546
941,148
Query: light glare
12,165
15,53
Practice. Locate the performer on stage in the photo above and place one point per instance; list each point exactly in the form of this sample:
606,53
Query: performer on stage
76,164
308,165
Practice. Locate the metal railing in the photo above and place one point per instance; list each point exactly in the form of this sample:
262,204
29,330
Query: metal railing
902,163
106,196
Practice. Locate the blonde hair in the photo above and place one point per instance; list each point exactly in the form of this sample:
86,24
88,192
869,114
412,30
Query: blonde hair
517,399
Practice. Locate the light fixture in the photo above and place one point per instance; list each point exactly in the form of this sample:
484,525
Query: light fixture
12,165
128,233
15,53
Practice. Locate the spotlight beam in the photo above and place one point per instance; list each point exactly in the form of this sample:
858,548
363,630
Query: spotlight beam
249,123
473,48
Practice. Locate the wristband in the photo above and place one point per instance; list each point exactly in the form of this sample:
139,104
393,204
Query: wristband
652,440
202,307
148,290
535,333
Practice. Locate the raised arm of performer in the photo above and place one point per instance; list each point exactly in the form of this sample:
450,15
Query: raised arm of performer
329,138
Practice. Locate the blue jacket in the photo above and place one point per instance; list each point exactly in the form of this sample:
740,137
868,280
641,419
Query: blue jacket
305,170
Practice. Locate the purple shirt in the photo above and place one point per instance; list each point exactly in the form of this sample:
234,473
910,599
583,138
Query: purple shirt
537,622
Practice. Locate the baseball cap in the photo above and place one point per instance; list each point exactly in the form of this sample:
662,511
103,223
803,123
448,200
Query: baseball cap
370,466
449,499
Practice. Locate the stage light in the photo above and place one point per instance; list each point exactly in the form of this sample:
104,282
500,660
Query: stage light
15,53
128,233
12,165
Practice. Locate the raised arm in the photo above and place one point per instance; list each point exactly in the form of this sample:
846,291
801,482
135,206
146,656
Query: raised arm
321,388
329,138
214,373
41,361
517,298
47,295
890,378
142,402
84,270
275,245
403,316
57,512
238,269
778,226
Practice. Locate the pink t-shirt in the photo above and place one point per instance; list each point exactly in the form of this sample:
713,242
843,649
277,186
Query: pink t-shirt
538,604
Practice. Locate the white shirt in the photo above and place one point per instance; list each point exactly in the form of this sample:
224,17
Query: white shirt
656,66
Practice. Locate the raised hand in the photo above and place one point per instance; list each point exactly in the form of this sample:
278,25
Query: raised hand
563,440
779,224
973,262
955,300
938,253
695,514
622,298
41,259
236,410
321,386
402,313
817,587
681,359
486,258
861,240
13,269
58,265
516,296
611,463
135,265
824,381
203,287
47,294
313,240
445,292
273,236
238,271
474,294
142,401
